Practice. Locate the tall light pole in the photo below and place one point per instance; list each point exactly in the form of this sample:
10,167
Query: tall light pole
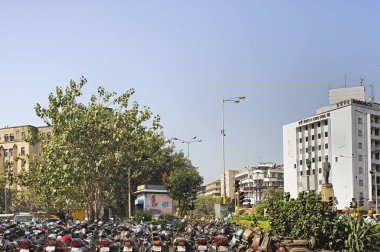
192,140
234,100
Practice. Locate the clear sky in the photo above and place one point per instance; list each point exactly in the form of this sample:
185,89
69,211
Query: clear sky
183,57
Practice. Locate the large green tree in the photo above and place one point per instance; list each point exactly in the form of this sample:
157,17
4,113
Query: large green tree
184,183
85,160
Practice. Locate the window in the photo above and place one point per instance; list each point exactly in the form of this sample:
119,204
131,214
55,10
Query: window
300,140
360,132
377,168
377,156
360,182
336,159
306,127
313,171
376,132
360,145
300,162
301,173
360,170
6,153
320,170
326,122
306,139
6,138
326,146
319,135
22,151
307,149
319,158
326,134
11,137
376,119
313,160
360,158
312,137
23,135
312,126
10,152
360,121
377,144
295,165
319,124
312,148
319,147
299,129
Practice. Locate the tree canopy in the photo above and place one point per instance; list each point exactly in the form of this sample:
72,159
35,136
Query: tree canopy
85,159
184,183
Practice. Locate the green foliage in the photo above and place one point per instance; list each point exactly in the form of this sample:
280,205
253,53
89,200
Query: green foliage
204,204
353,235
183,184
258,211
246,217
142,216
165,218
302,217
91,149
259,225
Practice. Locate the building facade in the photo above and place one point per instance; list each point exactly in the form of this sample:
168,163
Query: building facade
346,133
14,150
213,188
230,183
254,180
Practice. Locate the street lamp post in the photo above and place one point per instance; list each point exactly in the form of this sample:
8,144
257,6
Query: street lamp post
192,140
234,100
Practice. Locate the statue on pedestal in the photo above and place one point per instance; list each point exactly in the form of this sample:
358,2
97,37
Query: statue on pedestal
326,170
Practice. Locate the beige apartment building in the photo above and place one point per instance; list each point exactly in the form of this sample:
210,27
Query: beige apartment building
213,188
230,183
14,150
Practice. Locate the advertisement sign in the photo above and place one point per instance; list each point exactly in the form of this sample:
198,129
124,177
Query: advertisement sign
159,203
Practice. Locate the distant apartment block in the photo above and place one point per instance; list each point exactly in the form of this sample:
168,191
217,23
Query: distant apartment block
14,150
213,188
230,183
254,180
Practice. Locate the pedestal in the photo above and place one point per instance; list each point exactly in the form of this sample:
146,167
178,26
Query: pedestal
327,191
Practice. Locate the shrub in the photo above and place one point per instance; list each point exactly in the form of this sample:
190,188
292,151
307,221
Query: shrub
305,216
352,234
142,215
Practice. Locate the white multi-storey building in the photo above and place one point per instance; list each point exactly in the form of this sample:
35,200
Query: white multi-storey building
347,133
254,180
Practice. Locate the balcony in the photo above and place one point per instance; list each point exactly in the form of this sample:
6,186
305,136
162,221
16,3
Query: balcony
375,137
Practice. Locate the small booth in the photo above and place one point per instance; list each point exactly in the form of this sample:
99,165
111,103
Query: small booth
153,198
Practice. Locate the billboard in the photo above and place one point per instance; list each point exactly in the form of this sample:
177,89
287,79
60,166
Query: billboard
159,203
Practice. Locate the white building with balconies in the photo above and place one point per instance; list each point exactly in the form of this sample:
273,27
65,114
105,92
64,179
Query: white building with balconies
254,180
347,132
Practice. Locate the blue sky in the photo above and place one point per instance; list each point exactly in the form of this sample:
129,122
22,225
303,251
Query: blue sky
183,57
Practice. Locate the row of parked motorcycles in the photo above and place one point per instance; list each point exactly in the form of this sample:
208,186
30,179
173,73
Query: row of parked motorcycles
139,237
